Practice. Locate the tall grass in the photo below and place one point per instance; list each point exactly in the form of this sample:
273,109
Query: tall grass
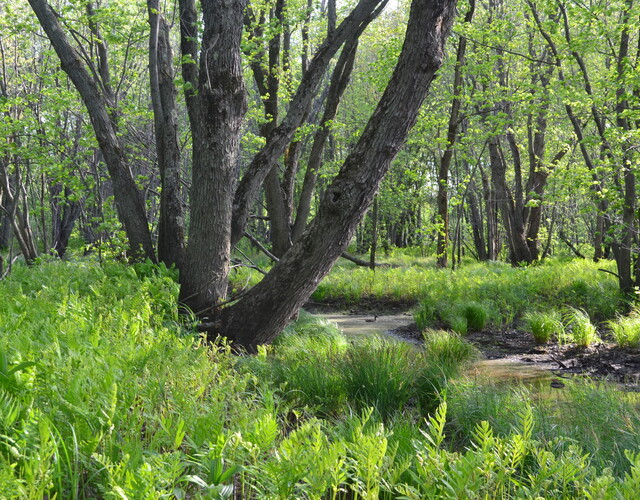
543,325
601,418
579,328
626,329
316,366
507,294
106,393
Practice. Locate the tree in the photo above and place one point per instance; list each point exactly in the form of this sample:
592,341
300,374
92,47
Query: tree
445,160
220,201
260,315
96,89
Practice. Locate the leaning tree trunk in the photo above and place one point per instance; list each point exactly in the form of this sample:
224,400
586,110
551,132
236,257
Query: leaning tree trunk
280,138
266,309
339,81
128,199
216,108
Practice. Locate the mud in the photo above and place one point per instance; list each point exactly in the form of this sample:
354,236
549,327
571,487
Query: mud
516,350
508,351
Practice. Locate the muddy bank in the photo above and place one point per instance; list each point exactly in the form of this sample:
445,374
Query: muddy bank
517,348
504,349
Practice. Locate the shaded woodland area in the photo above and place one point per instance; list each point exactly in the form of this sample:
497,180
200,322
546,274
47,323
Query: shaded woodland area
179,178
195,134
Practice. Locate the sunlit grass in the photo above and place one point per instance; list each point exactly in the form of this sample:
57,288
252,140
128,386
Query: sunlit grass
578,327
544,325
599,417
626,329
508,293
105,392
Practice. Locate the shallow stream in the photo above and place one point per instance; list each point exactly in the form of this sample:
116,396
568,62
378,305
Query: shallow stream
505,369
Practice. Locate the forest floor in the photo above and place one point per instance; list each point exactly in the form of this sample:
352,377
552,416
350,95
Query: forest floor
500,347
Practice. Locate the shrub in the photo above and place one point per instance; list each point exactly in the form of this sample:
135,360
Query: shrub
511,466
543,325
507,293
304,360
447,354
470,403
453,316
458,323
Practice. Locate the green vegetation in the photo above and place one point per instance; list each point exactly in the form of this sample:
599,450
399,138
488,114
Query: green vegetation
585,413
578,327
481,294
317,367
104,392
626,329
508,293
544,325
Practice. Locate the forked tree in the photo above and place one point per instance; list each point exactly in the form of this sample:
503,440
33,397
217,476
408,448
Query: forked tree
220,202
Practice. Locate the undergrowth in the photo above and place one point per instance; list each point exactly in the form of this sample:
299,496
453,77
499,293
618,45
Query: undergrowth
506,294
106,393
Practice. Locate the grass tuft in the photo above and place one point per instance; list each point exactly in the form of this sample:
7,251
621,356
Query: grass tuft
543,325
579,328
626,330
476,315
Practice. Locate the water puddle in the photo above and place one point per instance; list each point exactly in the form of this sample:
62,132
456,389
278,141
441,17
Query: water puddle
501,370
511,371
367,324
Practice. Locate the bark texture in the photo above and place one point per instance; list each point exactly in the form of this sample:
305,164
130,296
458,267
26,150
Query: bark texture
171,233
216,112
265,310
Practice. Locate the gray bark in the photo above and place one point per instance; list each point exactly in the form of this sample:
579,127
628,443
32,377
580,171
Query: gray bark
171,233
216,112
265,310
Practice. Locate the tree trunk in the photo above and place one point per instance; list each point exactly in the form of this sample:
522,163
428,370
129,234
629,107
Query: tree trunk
477,228
519,250
339,81
445,161
596,185
280,138
265,310
491,208
374,234
171,242
64,214
5,223
624,252
17,211
217,111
